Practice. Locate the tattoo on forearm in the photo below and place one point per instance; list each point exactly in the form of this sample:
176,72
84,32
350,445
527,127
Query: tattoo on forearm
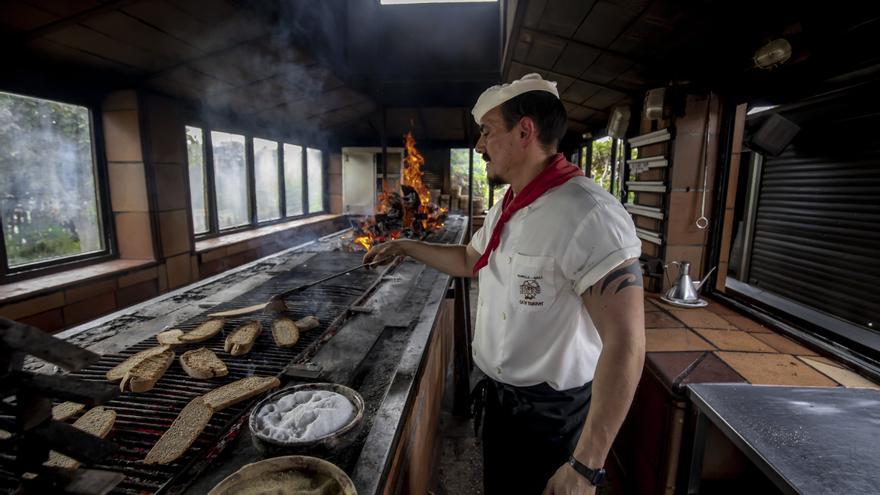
629,275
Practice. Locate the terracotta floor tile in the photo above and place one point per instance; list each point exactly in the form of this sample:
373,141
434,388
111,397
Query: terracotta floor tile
713,370
733,340
774,369
651,307
828,361
844,376
674,339
747,324
784,344
720,309
661,319
701,318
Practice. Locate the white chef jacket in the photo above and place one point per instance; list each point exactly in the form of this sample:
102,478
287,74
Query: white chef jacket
532,326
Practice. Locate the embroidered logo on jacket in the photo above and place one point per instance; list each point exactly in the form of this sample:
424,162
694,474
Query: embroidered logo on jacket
530,289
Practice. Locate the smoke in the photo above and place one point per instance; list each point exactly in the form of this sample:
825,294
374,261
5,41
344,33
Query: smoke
267,72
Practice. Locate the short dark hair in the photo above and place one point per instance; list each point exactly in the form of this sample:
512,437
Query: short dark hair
544,109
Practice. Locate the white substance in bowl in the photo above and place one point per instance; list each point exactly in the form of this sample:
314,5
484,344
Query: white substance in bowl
304,416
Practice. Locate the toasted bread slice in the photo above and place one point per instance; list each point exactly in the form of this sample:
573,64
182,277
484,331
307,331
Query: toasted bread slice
182,433
203,363
66,410
285,332
171,337
227,395
307,323
240,341
98,421
122,368
144,375
204,331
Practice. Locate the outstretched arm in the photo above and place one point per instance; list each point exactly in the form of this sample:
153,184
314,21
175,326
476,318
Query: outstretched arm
457,260
616,305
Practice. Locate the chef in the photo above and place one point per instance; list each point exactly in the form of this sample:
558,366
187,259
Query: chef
560,314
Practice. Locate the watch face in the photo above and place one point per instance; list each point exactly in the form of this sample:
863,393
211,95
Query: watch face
599,477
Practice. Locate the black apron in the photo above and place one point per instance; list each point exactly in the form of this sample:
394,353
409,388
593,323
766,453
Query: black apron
528,433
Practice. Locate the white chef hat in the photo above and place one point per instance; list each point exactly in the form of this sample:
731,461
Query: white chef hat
497,95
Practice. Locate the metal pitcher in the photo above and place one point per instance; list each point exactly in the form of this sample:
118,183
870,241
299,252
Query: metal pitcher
685,292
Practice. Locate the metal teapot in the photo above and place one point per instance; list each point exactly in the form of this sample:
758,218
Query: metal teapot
685,292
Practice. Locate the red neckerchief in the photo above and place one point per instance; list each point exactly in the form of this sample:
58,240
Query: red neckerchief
558,172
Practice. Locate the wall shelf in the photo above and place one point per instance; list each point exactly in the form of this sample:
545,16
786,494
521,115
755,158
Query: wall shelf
645,211
657,186
650,138
650,236
641,165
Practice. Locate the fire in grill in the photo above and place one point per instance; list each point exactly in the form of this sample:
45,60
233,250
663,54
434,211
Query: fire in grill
143,417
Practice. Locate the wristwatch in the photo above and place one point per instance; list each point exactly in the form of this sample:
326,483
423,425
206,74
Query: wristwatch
594,476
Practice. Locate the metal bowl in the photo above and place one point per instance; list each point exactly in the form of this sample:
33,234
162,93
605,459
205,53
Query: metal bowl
326,446
300,463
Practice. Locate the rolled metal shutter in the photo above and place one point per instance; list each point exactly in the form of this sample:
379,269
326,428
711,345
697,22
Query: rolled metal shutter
817,226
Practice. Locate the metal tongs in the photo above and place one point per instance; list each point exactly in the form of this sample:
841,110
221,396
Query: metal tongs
275,304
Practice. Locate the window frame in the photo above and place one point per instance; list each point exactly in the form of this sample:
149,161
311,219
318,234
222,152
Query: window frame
107,231
211,202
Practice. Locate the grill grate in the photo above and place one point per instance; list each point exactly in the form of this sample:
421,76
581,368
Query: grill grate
142,418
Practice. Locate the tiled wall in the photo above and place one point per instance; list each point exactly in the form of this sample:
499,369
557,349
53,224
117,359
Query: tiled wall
684,241
126,171
334,178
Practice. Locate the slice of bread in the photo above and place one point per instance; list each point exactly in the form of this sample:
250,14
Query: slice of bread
285,332
227,395
171,337
307,323
203,363
66,410
98,421
144,375
240,341
122,368
182,433
204,331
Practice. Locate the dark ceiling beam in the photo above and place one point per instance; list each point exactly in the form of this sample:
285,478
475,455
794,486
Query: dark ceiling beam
556,37
74,19
583,106
207,55
507,54
559,74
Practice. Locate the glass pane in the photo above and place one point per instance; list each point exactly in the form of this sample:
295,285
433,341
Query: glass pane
266,176
293,163
316,180
195,154
230,179
459,160
48,194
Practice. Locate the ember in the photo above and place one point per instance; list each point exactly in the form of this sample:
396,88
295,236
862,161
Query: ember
408,213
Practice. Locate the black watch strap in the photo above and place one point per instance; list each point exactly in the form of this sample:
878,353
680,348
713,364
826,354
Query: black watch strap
594,476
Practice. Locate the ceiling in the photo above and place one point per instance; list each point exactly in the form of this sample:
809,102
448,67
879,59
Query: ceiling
351,68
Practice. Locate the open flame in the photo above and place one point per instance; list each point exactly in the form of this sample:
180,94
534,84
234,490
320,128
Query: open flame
408,213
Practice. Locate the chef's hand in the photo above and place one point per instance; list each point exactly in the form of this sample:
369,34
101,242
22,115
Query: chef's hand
567,481
384,253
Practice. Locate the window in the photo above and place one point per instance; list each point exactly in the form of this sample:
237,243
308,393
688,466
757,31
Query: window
266,178
459,161
195,154
238,181
230,179
315,168
293,178
50,208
